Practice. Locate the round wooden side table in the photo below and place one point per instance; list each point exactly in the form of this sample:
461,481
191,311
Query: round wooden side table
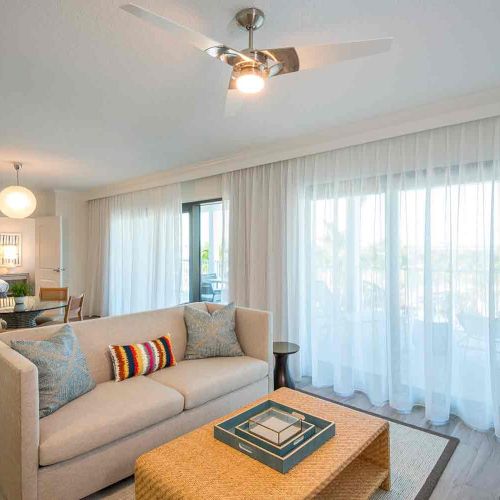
281,351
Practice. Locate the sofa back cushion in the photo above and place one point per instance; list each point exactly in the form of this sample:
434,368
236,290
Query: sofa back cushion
95,335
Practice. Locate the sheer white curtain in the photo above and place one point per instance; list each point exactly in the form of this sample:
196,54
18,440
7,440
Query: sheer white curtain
255,228
135,251
391,272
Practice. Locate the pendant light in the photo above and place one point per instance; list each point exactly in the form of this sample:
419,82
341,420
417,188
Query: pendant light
17,201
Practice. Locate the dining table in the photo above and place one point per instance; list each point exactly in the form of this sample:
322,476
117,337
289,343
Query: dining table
24,315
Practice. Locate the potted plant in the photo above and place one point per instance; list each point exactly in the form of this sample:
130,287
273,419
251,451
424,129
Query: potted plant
20,291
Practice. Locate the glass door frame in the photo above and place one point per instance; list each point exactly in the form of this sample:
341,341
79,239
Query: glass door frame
194,209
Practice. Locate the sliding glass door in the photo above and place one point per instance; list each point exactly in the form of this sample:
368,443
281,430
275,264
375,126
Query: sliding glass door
202,251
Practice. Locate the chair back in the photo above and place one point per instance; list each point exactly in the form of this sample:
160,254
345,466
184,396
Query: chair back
74,308
209,277
54,293
207,291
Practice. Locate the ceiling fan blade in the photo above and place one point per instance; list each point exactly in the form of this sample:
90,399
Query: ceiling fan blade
315,56
227,54
189,36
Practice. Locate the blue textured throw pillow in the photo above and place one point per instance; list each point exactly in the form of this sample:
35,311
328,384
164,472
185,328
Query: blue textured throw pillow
63,374
211,335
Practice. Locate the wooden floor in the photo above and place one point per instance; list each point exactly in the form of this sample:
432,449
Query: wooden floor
473,472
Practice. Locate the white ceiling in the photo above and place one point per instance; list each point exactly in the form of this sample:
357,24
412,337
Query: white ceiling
90,95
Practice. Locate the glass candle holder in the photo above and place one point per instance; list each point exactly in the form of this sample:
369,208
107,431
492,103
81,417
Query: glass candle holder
275,426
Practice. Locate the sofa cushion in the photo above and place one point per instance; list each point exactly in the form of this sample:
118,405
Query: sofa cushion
109,412
201,380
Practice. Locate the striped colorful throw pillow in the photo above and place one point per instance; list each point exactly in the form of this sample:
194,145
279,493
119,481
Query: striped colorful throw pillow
140,359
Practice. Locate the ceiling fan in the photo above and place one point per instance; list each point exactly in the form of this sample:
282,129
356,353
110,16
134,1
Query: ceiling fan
251,67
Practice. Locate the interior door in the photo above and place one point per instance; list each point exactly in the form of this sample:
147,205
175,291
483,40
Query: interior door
48,256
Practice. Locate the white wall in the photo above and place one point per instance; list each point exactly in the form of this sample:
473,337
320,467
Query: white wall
27,228
72,207
208,188
45,203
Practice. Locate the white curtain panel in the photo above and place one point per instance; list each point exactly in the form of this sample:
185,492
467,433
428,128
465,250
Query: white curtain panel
255,228
97,282
136,255
386,262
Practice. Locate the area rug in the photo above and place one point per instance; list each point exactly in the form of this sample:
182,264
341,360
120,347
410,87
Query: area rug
418,458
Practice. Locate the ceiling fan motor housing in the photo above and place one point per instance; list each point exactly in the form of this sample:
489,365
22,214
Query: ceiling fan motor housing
250,18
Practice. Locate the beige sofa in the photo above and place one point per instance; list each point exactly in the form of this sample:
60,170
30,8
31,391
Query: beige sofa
93,441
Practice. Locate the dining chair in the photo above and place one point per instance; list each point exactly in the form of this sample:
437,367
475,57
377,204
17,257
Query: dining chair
74,309
207,292
52,294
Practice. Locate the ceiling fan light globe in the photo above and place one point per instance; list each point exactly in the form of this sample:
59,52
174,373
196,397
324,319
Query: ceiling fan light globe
250,83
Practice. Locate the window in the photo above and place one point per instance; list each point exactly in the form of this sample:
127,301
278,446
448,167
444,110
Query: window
202,251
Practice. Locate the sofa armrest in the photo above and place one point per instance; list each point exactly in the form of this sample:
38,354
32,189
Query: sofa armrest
255,333
19,424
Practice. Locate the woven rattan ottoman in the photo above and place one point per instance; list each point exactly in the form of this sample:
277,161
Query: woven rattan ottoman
351,465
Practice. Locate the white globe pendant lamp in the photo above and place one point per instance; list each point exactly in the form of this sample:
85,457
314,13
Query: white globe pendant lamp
17,202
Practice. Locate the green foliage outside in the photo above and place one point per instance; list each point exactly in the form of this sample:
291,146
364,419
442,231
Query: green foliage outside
205,257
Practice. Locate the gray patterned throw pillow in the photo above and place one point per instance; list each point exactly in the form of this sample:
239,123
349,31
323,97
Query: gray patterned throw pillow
211,335
63,374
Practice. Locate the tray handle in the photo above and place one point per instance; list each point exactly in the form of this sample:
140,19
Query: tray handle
297,441
245,448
